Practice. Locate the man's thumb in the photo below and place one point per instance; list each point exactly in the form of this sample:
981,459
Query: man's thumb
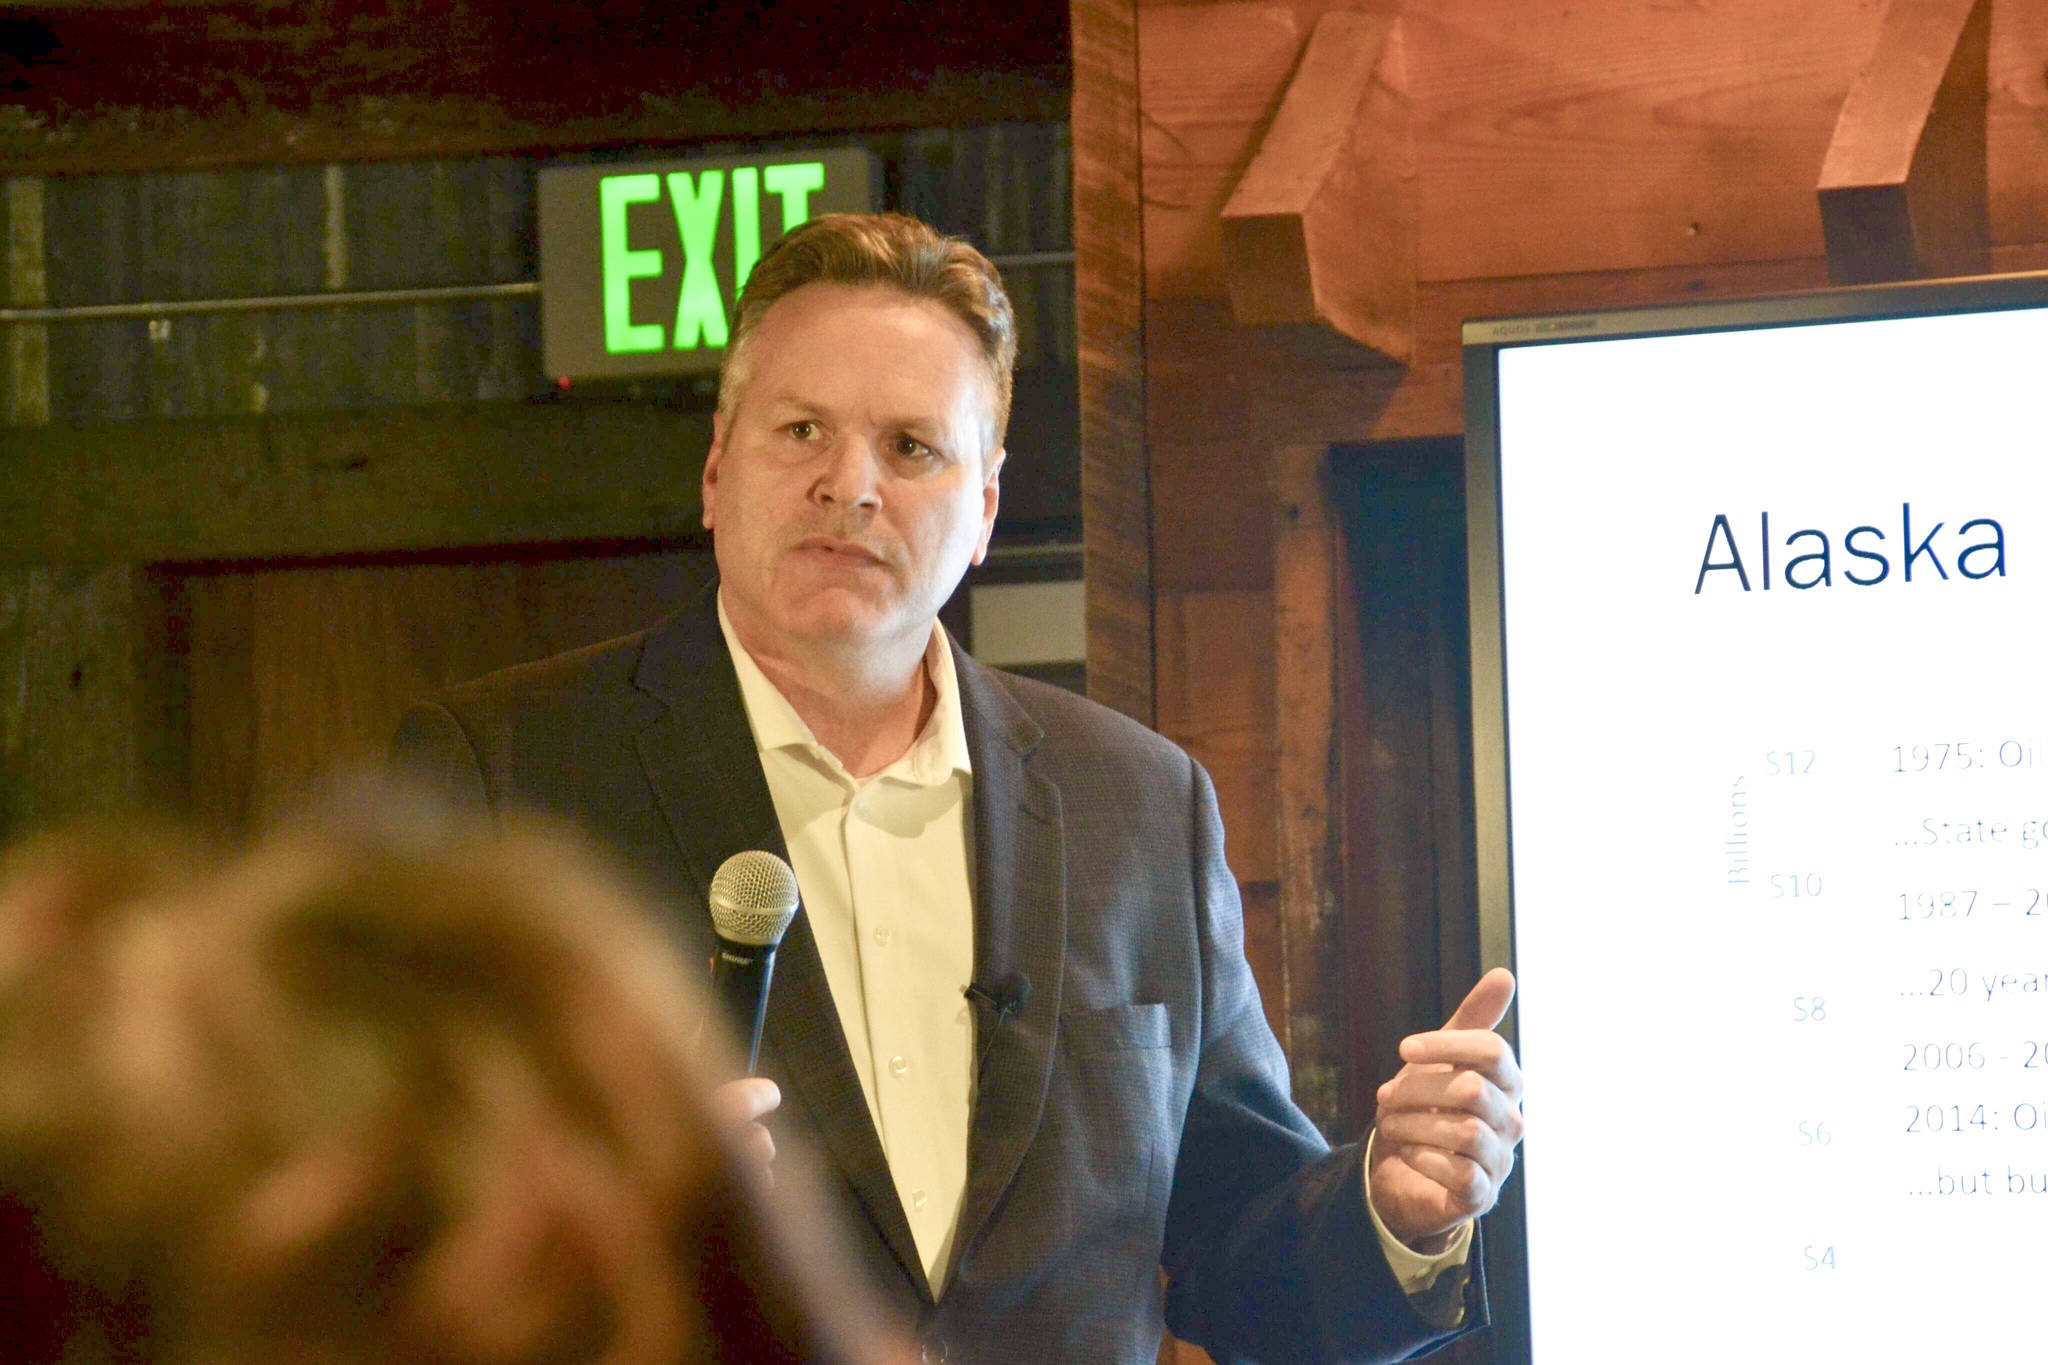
1487,1002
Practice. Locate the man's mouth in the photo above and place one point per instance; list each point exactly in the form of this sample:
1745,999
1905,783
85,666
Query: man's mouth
850,551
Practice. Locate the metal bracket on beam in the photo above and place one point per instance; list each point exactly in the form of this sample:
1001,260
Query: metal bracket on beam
1321,227
1904,192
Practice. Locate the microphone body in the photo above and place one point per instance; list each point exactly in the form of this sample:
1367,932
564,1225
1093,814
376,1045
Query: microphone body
740,976
753,900
1008,996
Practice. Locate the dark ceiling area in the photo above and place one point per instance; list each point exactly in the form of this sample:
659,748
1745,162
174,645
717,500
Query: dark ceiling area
115,85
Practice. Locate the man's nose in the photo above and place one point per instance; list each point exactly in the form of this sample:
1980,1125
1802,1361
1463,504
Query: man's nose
850,474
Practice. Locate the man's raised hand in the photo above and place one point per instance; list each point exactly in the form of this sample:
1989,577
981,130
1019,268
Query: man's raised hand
1448,1121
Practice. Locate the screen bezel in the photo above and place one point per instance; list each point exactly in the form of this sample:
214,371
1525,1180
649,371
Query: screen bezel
1485,339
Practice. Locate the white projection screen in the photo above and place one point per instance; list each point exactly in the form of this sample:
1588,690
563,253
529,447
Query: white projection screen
1760,618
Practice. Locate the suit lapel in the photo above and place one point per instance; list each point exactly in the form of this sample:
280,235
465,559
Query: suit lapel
699,757
706,775
1019,926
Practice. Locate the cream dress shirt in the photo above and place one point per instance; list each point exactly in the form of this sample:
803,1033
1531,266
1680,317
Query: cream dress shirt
885,864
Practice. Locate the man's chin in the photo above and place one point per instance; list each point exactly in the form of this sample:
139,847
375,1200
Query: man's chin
849,622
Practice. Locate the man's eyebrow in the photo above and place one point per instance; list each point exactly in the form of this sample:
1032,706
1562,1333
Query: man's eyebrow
792,405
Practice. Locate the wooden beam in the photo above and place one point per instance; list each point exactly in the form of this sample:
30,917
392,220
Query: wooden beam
24,402
1283,392
1109,283
1311,600
356,483
1276,395
1904,192
1211,77
25,347
354,80
125,141
1321,228
1216,685
16,591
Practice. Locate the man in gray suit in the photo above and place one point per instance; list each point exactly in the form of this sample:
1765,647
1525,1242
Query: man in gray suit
1018,1161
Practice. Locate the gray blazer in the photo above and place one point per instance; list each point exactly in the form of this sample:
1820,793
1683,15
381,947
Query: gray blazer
1134,1114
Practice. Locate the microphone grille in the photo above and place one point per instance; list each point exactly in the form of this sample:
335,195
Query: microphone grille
753,898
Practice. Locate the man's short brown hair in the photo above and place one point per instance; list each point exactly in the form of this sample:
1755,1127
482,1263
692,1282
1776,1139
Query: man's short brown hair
889,249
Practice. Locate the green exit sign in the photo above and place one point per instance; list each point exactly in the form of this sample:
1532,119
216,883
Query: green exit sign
641,263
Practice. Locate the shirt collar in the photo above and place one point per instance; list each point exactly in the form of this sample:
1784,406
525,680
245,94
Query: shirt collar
939,751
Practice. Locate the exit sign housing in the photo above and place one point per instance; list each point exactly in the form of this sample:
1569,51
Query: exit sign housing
641,263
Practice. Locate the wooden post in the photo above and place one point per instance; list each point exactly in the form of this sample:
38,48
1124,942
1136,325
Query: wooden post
1410,914
1310,595
365,482
26,346
15,589
1109,280
1904,191
24,401
89,682
1321,227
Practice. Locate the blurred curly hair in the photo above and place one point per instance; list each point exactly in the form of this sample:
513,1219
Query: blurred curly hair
386,1088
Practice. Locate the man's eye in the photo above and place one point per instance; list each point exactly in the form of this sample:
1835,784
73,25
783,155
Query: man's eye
803,431
910,448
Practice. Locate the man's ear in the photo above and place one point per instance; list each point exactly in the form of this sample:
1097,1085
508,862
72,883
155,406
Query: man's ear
711,460
991,497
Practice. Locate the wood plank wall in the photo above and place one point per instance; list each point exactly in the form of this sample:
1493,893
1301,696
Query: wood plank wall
298,673
1568,155
366,144
224,83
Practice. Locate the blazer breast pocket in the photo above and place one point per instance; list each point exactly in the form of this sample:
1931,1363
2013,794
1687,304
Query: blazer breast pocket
1118,1077
1098,1032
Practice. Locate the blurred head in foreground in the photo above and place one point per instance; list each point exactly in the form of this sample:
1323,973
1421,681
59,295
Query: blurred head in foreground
363,1096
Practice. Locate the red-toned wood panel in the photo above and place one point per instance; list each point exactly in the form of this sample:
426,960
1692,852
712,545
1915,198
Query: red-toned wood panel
1564,137
1548,138
1216,699
300,673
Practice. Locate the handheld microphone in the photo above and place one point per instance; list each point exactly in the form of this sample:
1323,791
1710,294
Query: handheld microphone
1008,996
753,900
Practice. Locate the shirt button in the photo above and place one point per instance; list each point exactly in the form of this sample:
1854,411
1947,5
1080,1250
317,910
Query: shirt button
933,1352
898,1065
882,935
917,1199
863,809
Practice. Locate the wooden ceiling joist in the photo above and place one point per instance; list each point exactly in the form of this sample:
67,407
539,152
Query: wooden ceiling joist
1321,227
118,86
1904,192
309,485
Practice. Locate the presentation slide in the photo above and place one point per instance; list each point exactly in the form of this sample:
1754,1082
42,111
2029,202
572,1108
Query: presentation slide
1776,650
